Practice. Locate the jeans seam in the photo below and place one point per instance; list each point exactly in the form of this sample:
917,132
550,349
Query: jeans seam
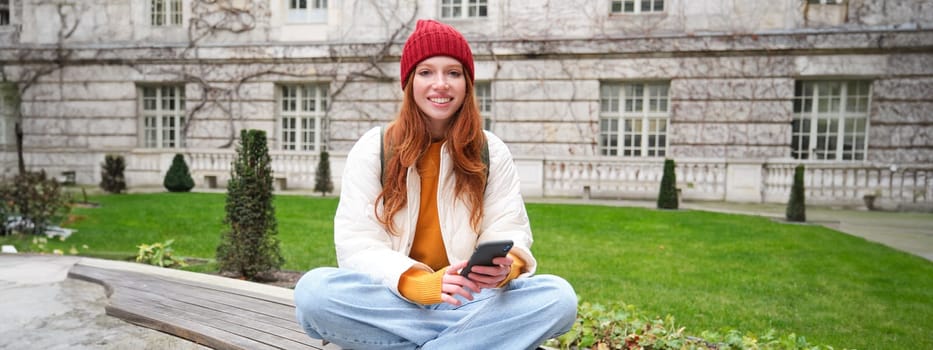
331,337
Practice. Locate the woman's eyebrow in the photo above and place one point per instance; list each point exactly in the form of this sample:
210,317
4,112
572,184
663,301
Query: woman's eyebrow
449,66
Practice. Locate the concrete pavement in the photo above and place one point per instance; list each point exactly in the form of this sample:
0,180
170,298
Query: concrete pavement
43,309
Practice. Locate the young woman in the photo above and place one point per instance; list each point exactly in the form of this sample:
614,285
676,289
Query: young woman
415,201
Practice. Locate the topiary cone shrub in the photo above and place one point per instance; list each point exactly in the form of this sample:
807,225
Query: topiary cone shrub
249,247
178,178
322,181
796,207
111,174
667,196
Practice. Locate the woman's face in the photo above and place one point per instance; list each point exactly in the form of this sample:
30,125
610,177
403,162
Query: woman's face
439,88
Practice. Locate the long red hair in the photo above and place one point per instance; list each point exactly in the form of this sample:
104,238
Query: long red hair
407,139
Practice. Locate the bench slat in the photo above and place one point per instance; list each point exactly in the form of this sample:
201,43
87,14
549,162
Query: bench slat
214,316
214,313
227,302
224,326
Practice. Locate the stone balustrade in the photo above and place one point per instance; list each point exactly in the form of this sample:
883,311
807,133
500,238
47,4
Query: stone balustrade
211,167
705,179
828,183
840,183
631,178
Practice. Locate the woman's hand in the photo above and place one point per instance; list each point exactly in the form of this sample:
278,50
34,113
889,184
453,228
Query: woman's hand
491,276
453,284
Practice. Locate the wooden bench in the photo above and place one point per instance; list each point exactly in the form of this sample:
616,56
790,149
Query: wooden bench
215,316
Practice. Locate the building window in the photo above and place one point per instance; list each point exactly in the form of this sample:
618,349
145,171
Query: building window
636,6
633,119
163,114
9,109
463,8
166,12
484,102
301,117
307,11
830,120
4,12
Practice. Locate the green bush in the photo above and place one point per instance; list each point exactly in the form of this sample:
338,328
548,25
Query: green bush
111,174
250,247
621,326
158,254
322,181
36,202
667,196
796,207
178,178
6,205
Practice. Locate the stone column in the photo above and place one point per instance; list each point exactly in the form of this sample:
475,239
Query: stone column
744,181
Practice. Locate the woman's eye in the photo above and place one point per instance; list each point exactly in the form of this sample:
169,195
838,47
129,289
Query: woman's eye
454,73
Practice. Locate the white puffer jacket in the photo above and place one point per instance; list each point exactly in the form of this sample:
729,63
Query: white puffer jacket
363,244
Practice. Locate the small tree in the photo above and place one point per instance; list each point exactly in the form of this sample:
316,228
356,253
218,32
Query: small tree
322,181
250,247
6,204
796,207
37,200
178,178
667,197
111,174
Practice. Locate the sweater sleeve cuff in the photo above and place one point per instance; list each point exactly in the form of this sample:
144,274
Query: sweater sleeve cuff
421,286
517,266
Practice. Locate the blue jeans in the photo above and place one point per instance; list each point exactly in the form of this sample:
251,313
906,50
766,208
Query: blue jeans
351,310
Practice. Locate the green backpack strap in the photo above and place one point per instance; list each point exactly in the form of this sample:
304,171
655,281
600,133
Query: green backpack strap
382,156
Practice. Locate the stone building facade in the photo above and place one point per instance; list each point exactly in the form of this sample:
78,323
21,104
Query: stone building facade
591,96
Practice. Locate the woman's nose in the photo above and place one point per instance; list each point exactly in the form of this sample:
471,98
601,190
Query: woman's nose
441,83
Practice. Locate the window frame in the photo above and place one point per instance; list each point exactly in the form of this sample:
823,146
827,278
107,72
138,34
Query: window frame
170,14
484,102
621,110
162,128
812,134
8,9
463,9
297,127
314,11
619,7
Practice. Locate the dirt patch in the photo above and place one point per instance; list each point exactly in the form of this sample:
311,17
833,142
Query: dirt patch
72,219
281,278
85,205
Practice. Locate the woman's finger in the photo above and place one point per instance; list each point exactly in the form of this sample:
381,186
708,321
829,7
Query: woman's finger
451,289
461,282
447,298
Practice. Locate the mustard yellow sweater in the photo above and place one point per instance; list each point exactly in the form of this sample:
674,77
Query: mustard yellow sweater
428,246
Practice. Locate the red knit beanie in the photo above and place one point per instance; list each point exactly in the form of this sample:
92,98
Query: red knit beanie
432,38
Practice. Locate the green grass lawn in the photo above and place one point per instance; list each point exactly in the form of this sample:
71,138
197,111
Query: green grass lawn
709,270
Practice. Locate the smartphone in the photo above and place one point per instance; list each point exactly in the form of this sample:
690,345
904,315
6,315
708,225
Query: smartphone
484,254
